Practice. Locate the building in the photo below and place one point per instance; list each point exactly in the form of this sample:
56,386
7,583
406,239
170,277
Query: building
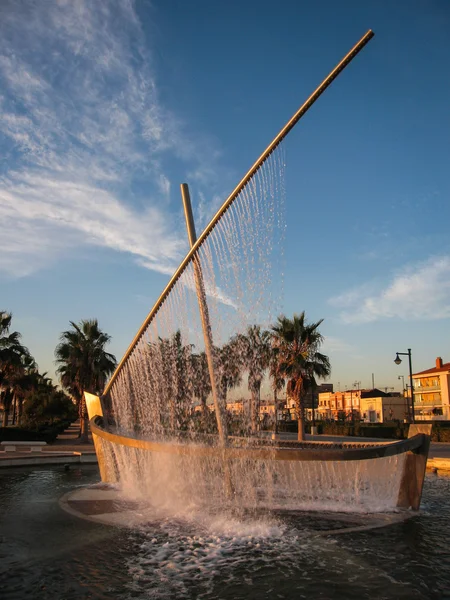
431,392
339,405
311,399
355,404
380,409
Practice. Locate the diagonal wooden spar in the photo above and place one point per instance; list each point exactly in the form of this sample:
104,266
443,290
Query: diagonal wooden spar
237,190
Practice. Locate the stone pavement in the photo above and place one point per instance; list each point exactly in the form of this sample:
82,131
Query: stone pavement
69,441
66,449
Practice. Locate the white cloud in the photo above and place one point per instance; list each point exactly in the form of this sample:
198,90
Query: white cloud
80,123
60,213
337,345
421,291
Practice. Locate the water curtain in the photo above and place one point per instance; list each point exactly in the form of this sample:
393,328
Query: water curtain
164,372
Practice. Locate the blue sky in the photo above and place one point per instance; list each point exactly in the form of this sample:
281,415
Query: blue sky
107,106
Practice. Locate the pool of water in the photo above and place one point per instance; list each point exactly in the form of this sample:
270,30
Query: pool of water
46,553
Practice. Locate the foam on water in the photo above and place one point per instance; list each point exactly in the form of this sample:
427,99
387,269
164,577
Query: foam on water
192,554
247,558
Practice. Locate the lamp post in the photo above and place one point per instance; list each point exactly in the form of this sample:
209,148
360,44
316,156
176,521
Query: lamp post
357,385
351,406
313,384
402,377
398,361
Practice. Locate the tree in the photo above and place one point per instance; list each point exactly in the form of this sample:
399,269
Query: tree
228,369
201,380
24,384
83,364
278,381
14,361
46,404
172,367
296,344
254,354
228,372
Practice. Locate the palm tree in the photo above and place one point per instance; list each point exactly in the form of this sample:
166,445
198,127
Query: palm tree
254,353
14,358
24,384
181,363
83,364
278,381
228,369
201,380
297,344
171,366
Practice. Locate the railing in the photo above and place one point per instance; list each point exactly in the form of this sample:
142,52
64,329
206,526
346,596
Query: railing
430,403
423,389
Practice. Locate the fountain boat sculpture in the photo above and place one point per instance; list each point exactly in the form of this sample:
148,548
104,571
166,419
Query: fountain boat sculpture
149,463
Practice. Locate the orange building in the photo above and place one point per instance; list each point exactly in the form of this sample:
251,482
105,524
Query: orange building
431,392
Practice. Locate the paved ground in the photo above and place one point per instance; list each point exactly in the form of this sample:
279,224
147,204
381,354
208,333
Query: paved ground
65,450
69,441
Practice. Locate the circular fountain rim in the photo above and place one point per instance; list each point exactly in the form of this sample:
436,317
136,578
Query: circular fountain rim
305,451
129,518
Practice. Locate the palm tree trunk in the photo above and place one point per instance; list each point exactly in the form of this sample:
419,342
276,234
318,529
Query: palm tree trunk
20,411
275,405
253,410
14,410
204,412
84,421
84,426
7,401
301,420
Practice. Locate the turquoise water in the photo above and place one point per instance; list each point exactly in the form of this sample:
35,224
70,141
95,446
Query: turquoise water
48,554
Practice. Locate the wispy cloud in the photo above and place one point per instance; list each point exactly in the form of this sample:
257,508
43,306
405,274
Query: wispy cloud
81,125
420,291
337,345
41,216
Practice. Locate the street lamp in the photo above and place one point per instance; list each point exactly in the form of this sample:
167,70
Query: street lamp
351,407
402,377
398,361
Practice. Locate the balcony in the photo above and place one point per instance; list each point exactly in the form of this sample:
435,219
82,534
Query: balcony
426,388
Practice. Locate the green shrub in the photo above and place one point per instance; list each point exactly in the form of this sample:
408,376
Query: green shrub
49,435
17,434
376,430
288,426
43,433
440,434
